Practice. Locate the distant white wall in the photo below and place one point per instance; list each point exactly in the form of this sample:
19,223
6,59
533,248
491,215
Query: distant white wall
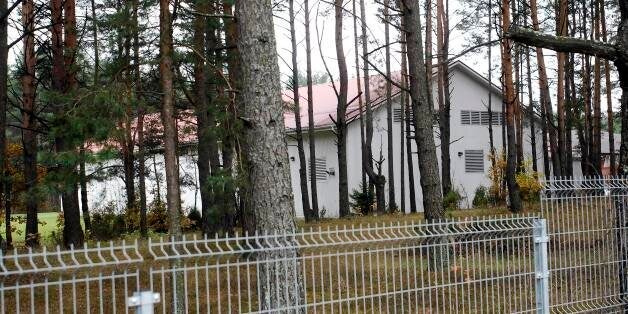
466,94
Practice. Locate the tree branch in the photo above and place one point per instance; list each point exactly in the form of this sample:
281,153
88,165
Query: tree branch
565,44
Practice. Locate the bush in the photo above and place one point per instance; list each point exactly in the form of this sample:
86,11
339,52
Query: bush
481,198
157,217
528,182
195,219
107,224
362,200
451,201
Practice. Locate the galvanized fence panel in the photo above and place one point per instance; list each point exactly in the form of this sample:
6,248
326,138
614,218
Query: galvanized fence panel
588,228
483,265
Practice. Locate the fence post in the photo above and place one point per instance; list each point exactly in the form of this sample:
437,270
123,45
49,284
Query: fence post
541,267
143,302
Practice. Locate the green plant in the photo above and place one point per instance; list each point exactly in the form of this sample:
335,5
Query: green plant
451,201
195,218
362,200
157,217
481,197
107,224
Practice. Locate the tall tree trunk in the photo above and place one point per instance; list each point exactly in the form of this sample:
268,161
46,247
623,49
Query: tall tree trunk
364,184
491,139
266,154
4,51
561,29
83,184
444,99
510,100
531,115
392,204
173,193
408,121
368,127
596,140
141,111
341,112
231,147
428,41
545,98
202,111
313,215
402,124
422,113
173,196
609,97
29,124
544,130
305,198
64,83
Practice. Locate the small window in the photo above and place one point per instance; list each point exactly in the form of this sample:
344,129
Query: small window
321,169
468,117
397,115
474,161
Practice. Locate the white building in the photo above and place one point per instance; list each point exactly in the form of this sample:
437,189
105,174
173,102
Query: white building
469,145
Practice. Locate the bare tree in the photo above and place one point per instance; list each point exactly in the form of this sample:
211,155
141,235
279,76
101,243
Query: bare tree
267,166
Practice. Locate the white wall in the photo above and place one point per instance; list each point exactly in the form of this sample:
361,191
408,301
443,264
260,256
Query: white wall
466,94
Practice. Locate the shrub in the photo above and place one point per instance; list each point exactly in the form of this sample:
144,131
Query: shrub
481,198
107,224
528,181
362,200
195,219
451,201
157,217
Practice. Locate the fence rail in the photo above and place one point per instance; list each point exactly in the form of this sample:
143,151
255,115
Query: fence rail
569,258
466,265
588,231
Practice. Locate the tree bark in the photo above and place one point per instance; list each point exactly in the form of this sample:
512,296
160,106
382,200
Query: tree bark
4,51
341,112
510,100
422,113
29,125
368,125
267,166
203,128
313,215
173,195
392,204
545,98
64,83
444,99
364,183
83,183
305,198
408,122
609,100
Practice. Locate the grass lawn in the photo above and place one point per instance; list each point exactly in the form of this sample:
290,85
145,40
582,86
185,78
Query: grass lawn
47,224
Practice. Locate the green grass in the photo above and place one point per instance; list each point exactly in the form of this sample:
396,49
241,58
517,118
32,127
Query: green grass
47,225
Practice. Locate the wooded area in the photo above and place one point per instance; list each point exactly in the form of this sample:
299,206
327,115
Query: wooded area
83,83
